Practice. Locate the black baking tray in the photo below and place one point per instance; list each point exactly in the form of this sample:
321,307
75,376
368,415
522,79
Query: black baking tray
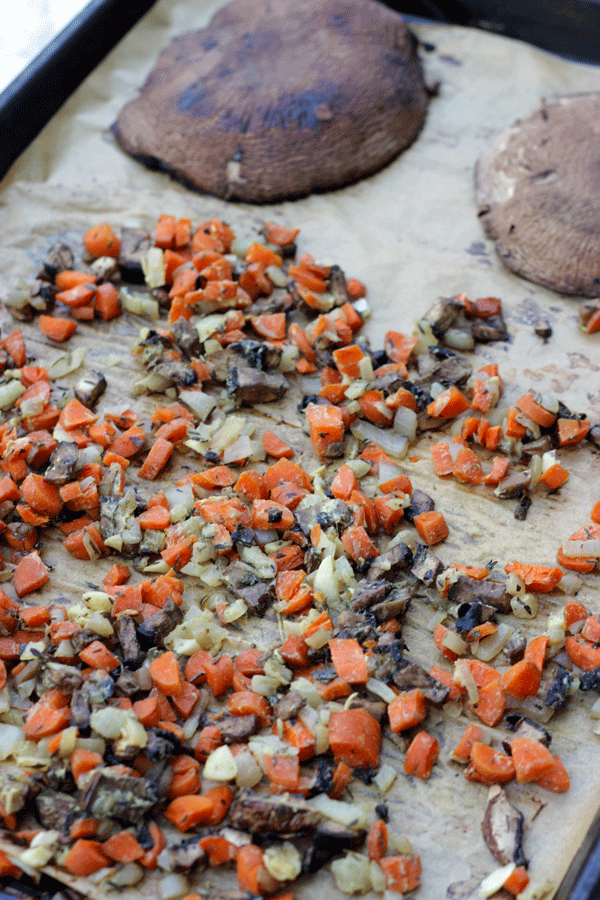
570,28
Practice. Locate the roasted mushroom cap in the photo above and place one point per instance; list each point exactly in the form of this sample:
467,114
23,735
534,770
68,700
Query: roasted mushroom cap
276,99
538,185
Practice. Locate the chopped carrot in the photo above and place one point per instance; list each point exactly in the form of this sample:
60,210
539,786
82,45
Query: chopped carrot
349,660
431,526
77,297
326,426
355,738
421,755
462,751
102,241
129,442
536,412
467,467
30,574
166,674
517,881
107,301
244,703
536,577
521,680
85,857
532,760
584,654
359,545
56,328
280,235
498,471
449,404
407,709
123,847
275,447
491,766
377,840
575,611
555,779
156,460
83,761
554,477
402,872
572,431
442,459
98,656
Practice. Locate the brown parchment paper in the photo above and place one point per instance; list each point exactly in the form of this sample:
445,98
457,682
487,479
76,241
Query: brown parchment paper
411,234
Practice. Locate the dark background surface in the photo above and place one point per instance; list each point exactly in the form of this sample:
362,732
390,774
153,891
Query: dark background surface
570,28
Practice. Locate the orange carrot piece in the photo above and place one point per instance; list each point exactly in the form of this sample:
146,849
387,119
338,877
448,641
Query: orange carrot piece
467,467
355,738
521,680
555,779
359,545
129,442
531,759
123,847
421,755
156,460
431,526
399,346
462,751
30,574
554,477
102,241
97,656
491,766
536,577
275,447
326,425
56,328
349,660
442,459
107,301
536,412
584,654
85,857
517,881
166,674
377,840
402,872
449,404
407,709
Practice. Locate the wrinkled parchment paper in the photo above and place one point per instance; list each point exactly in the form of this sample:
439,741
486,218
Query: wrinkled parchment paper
411,234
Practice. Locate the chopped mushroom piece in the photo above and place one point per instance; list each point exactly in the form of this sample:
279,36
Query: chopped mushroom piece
502,828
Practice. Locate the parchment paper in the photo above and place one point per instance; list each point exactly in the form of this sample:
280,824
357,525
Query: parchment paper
411,234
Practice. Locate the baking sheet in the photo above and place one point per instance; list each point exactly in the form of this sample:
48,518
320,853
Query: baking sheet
411,234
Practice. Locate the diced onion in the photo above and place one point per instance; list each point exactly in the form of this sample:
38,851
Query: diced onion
489,647
495,881
405,422
464,676
352,873
173,886
221,765
387,439
589,549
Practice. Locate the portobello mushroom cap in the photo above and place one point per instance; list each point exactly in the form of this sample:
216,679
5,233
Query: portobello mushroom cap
275,100
537,193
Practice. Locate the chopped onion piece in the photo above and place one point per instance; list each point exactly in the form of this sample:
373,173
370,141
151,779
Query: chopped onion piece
495,881
173,886
387,439
464,676
589,549
385,777
490,646
221,765
380,689
352,873
405,422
